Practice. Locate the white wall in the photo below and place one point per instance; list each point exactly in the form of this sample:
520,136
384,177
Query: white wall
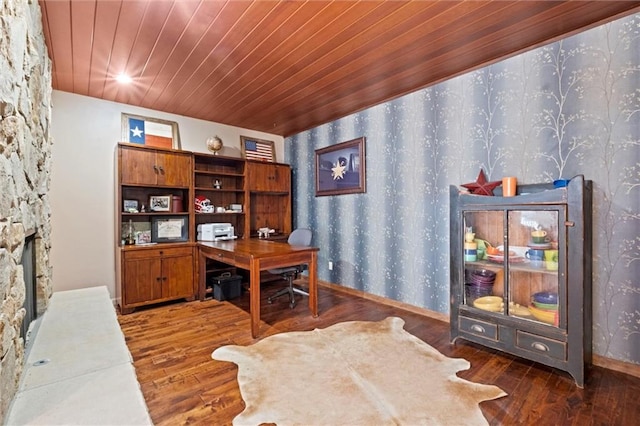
85,133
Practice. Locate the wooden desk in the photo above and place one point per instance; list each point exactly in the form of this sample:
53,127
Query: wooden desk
258,255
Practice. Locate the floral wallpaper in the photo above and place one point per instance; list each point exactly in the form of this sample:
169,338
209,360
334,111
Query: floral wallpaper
569,108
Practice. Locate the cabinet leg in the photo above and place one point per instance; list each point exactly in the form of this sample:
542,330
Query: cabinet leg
126,311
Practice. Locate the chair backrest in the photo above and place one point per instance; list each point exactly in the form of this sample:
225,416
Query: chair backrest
300,237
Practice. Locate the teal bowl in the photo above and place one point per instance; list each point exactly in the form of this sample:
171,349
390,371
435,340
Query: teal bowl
545,306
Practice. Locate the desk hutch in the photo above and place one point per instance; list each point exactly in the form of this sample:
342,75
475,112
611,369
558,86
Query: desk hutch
156,258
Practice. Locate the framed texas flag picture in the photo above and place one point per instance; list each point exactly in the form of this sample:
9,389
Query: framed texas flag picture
150,131
257,149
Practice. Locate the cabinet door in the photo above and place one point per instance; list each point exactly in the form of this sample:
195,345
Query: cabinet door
269,177
177,277
142,279
137,166
144,166
151,276
512,262
535,279
174,169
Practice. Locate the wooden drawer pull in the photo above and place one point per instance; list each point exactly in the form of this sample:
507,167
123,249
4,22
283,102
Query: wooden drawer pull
540,346
478,328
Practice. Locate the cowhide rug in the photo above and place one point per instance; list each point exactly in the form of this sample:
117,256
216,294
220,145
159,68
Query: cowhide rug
353,373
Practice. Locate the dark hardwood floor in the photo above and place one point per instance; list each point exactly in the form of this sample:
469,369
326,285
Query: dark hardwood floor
171,346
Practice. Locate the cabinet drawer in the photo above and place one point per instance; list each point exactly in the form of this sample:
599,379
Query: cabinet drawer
158,252
541,345
479,328
228,258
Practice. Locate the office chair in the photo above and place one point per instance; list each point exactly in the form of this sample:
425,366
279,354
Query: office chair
299,237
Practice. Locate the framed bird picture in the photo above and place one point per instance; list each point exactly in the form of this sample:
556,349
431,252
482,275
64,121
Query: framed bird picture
340,168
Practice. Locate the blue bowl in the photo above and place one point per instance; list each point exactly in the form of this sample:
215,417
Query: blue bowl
546,297
561,183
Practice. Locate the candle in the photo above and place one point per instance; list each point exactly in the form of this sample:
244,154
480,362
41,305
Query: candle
509,186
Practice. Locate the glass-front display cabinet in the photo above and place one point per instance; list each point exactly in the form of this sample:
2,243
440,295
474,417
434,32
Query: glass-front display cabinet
521,272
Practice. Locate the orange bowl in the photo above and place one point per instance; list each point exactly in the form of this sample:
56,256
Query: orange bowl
548,316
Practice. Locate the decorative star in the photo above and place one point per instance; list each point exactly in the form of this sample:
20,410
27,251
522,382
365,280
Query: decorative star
338,170
481,186
136,132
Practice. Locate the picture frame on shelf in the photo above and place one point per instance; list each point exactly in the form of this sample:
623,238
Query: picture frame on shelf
143,237
160,203
130,206
340,168
150,131
169,229
257,149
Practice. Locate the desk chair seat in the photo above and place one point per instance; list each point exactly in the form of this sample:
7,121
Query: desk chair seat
299,237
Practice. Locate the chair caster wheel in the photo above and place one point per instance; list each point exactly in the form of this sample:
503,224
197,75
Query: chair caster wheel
269,301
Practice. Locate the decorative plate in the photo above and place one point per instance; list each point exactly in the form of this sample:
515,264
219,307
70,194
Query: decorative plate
540,246
498,258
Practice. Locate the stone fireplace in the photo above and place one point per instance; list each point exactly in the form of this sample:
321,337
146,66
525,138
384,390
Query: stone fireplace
25,156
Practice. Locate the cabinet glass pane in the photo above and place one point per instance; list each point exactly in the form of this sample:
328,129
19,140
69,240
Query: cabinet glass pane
533,265
522,282
483,262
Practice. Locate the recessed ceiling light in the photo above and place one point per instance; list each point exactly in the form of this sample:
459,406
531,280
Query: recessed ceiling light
123,78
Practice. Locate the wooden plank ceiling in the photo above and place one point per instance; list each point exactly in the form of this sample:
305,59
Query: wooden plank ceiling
284,67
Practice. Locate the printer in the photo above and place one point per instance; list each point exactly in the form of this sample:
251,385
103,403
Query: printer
215,232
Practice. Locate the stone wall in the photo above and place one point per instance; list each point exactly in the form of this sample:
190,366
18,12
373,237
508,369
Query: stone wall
25,157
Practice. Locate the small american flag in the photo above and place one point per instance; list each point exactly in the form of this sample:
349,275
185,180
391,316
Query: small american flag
257,149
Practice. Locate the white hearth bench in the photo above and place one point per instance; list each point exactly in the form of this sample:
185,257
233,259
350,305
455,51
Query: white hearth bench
79,370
